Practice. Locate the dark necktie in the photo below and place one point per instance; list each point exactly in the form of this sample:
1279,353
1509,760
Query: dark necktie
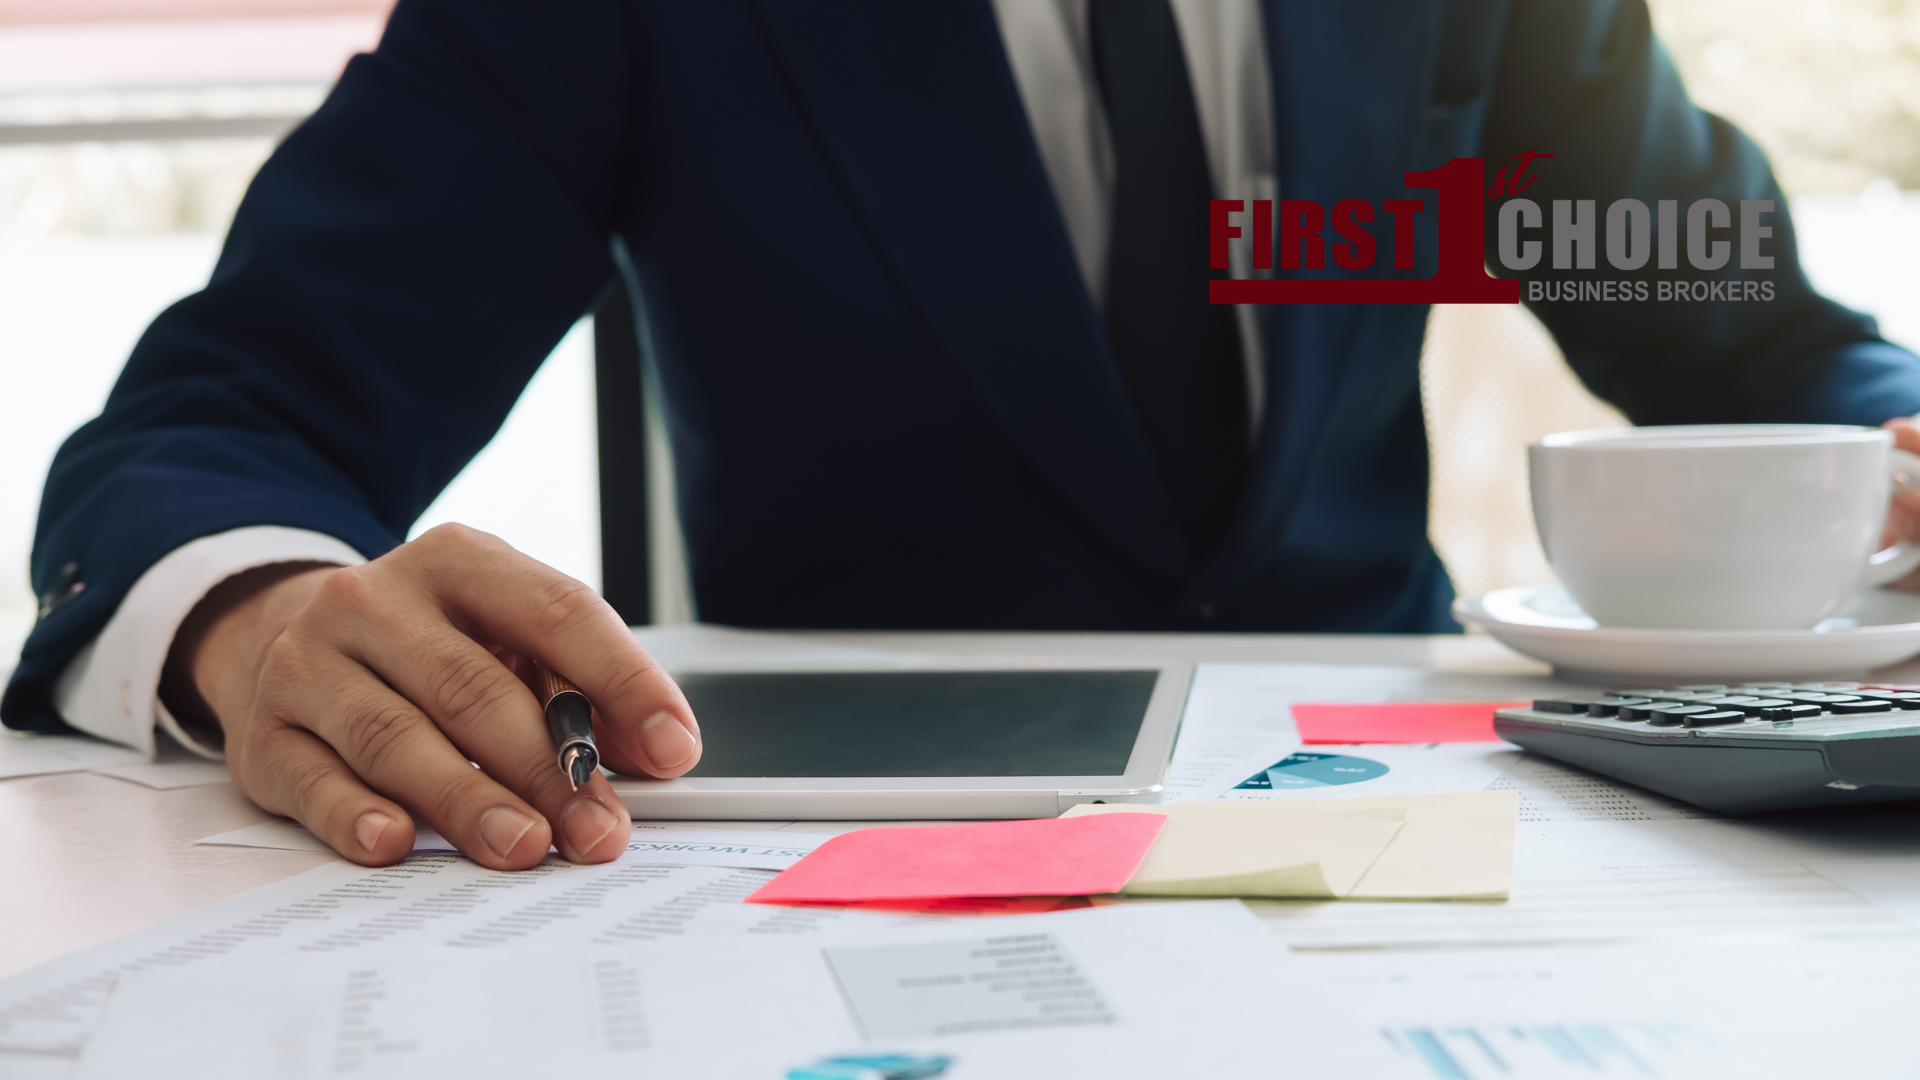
1179,355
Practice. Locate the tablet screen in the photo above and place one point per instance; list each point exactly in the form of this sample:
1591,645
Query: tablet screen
918,723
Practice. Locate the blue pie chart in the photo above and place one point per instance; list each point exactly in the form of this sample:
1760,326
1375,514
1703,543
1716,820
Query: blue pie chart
1311,771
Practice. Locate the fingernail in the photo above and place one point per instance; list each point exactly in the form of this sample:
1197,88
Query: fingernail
586,822
366,831
502,827
665,741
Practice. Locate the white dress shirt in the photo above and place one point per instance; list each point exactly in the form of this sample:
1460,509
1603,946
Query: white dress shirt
111,688
1052,57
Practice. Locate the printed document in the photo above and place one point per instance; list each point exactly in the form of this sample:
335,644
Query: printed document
1164,990
437,901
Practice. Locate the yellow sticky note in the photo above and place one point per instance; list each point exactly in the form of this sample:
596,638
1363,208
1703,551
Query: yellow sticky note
1455,846
1268,849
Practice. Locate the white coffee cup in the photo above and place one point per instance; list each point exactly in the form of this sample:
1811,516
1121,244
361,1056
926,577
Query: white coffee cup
1721,527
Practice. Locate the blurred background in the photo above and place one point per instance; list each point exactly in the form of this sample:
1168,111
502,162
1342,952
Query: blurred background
130,128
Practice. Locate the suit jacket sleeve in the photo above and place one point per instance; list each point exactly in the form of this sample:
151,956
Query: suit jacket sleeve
397,271
1589,83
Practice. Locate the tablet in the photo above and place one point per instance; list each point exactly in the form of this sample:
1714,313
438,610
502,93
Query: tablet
946,742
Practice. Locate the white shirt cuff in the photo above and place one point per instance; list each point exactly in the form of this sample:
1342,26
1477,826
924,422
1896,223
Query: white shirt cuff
112,686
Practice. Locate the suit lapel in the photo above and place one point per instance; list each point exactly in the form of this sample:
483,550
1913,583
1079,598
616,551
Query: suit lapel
917,105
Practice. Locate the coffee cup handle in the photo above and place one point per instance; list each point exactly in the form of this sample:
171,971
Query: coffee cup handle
1891,564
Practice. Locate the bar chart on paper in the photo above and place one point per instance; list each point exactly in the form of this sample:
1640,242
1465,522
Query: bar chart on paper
1550,1051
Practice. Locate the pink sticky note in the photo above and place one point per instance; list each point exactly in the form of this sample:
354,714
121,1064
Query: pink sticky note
1399,721
1049,857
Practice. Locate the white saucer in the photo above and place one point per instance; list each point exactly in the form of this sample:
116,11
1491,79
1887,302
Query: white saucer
1874,629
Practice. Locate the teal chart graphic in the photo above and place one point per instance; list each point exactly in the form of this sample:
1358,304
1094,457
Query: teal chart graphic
1545,1051
1313,770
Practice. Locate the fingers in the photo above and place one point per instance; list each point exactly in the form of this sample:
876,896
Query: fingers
395,749
1906,433
386,684
1903,511
488,713
292,773
644,724
1903,514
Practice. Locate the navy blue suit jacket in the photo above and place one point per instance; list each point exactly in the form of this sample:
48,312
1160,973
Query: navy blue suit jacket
888,390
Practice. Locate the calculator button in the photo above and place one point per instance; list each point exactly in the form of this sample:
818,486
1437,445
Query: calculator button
1803,696
1645,712
1791,712
1715,719
1609,706
1896,699
1672,717
1563,705
1847,707
1752,706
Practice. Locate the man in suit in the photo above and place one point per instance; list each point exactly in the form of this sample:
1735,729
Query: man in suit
925,285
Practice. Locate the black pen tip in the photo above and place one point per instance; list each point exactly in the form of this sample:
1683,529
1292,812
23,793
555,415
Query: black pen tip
580,768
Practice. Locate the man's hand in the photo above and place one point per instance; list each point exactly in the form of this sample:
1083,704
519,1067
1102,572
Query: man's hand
359,699
1903,515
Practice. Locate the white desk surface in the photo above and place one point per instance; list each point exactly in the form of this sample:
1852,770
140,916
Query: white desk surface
89,858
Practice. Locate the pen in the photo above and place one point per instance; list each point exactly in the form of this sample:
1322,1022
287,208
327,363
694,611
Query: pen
569,721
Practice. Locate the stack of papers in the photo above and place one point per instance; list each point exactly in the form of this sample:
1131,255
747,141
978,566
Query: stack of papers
1152,990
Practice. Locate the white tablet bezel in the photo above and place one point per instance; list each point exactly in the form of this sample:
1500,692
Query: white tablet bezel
868,798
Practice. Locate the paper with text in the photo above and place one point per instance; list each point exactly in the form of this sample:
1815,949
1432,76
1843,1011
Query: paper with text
1174,990
696,846
1682,1011
433,901
1238,719
1000,982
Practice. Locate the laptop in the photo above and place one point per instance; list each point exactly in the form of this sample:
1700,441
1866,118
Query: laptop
954,741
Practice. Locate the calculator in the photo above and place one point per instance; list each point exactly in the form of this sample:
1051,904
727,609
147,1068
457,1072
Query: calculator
1742,749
